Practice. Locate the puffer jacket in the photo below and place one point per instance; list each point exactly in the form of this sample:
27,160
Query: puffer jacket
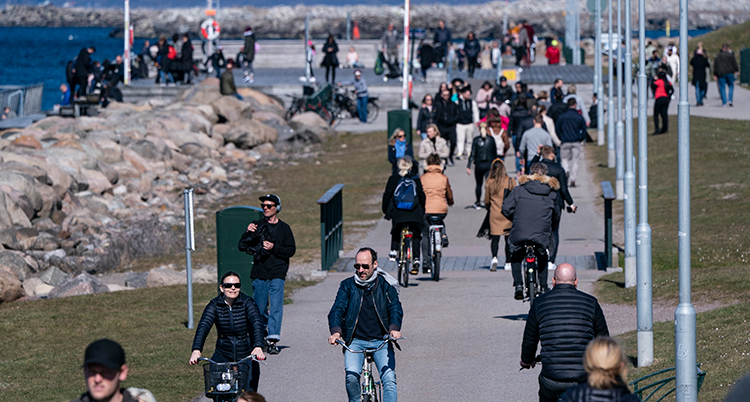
587,393
437,190
240,327
532,207
345,310
483,149
564,320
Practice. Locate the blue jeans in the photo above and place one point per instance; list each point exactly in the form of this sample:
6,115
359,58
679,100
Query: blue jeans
518,160
385,361
162,78
728,80
699,93
269,296
362,108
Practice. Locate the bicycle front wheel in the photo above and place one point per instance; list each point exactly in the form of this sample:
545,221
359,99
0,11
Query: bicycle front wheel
372,112
405,261
530,282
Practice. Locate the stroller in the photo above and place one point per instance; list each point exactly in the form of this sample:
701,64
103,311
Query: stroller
393,69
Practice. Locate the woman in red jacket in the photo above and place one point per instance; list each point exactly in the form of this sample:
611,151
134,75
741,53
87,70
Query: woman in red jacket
662,92
553,53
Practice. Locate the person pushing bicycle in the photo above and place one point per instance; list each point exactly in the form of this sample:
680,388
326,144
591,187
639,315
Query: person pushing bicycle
531,206
367,307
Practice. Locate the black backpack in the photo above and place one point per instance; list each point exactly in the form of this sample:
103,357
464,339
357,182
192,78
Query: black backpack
405,197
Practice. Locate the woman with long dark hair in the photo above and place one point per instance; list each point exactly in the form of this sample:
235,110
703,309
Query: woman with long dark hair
498,184
330,60
426,116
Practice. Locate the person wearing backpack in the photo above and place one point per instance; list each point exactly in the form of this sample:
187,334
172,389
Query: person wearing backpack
403,204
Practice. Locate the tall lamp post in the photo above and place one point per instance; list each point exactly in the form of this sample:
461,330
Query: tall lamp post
406,69
620,129
610,94
126,53
598,86
685,347
643,232
630,278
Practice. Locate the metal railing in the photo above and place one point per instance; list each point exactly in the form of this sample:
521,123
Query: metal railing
22,99
331,226
608,194
660,387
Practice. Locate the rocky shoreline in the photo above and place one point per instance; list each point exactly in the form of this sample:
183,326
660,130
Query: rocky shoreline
286,22
80,198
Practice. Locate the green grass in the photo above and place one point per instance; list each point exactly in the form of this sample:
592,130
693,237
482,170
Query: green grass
720,191
43,342
720,194
723,349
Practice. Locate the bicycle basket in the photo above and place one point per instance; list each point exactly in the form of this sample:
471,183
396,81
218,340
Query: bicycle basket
225,378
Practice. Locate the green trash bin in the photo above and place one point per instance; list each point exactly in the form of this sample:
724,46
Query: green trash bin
745,66
231,223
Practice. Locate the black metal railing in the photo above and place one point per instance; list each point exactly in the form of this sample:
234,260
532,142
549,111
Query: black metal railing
608,196
331,226
662,385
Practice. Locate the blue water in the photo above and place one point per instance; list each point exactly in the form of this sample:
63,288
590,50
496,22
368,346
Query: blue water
34,55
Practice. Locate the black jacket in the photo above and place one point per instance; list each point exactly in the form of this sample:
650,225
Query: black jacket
564,320
472,47
555,170
571,127
464,111
249,47
586,393
446,112
240,327
186,58
556,110
345,310
396,215
425,118
520,121
482,150
501,94
532,206
126,397
442,37
83,63
724,63
700,64
275,264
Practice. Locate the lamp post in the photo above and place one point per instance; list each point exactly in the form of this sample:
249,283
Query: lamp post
405,69
685,348
620,170
610,95
126,52
643,232
598,86
629,179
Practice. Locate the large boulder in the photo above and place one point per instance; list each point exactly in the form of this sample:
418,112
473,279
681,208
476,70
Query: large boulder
230,108
109,150
31,170
163,276
53,276
181,137
309,127
83,284
15,262
35,287
246,133
10,287
24,183
98,182
205,275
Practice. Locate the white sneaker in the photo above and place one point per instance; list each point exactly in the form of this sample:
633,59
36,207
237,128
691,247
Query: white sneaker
493,265
551,266
507,266
246,79
392,255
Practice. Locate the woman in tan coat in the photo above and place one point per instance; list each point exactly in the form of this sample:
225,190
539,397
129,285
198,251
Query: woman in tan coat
439,196
498,183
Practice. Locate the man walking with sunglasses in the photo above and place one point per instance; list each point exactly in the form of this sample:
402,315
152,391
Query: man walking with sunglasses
366,309
271,266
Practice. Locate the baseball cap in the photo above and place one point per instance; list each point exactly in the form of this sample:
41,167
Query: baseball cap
271,197
106,352
503,78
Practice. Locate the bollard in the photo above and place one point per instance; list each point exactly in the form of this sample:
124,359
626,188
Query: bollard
608,196
189,246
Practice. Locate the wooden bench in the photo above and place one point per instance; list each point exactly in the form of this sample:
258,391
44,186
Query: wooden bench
659,384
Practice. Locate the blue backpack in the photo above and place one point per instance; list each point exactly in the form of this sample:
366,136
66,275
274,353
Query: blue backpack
405,196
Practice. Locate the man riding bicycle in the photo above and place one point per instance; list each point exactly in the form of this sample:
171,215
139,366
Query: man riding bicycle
439,196
367,307
532,206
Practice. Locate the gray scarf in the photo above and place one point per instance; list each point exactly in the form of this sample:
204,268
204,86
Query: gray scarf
388,278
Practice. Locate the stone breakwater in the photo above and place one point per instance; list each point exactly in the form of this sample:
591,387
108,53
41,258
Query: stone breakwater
82,197
485,19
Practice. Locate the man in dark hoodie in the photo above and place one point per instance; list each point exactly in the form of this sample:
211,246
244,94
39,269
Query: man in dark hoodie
532,207
82,68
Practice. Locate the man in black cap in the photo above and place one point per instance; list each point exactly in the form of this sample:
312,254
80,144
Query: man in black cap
104,368
271,266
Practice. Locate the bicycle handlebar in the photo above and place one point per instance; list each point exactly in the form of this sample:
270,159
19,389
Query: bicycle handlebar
386,340
251,357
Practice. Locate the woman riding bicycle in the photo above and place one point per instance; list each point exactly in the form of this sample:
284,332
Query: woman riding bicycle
239,326
398,147
498,184
401,215
439,197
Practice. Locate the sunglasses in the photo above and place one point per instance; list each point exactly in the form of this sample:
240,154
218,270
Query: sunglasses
357,267
267,206
231,285
401,136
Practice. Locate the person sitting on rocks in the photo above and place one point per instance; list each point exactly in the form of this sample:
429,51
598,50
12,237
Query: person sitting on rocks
226,85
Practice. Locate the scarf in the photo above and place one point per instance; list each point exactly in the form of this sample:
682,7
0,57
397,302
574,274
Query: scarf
400,148
388,278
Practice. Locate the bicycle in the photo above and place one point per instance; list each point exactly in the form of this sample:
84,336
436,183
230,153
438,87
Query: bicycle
405,256
530,273
345,106
372,391
435,240
224,381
